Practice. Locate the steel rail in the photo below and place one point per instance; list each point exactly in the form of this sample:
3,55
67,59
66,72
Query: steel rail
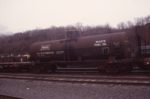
82,79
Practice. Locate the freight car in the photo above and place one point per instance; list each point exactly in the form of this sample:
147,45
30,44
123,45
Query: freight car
111,52
107,52
14,58
142,35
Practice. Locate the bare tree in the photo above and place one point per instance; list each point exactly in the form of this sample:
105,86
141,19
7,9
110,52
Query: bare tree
122,26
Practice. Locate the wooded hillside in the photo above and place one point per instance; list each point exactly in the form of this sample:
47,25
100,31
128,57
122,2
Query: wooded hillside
20,43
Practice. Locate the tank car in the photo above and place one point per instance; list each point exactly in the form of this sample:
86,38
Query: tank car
108,52
111,52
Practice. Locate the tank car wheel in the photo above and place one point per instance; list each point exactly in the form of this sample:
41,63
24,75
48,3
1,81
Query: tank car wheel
1,68
128,69
112,68
52,69
37,69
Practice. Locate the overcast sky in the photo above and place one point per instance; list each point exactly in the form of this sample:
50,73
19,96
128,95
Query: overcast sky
22,15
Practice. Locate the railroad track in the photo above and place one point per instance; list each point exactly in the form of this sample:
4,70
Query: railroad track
94,79
8,97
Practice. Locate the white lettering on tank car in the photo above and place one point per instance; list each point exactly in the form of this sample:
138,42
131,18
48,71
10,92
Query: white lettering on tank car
59,52
44,53
45,47
100,43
